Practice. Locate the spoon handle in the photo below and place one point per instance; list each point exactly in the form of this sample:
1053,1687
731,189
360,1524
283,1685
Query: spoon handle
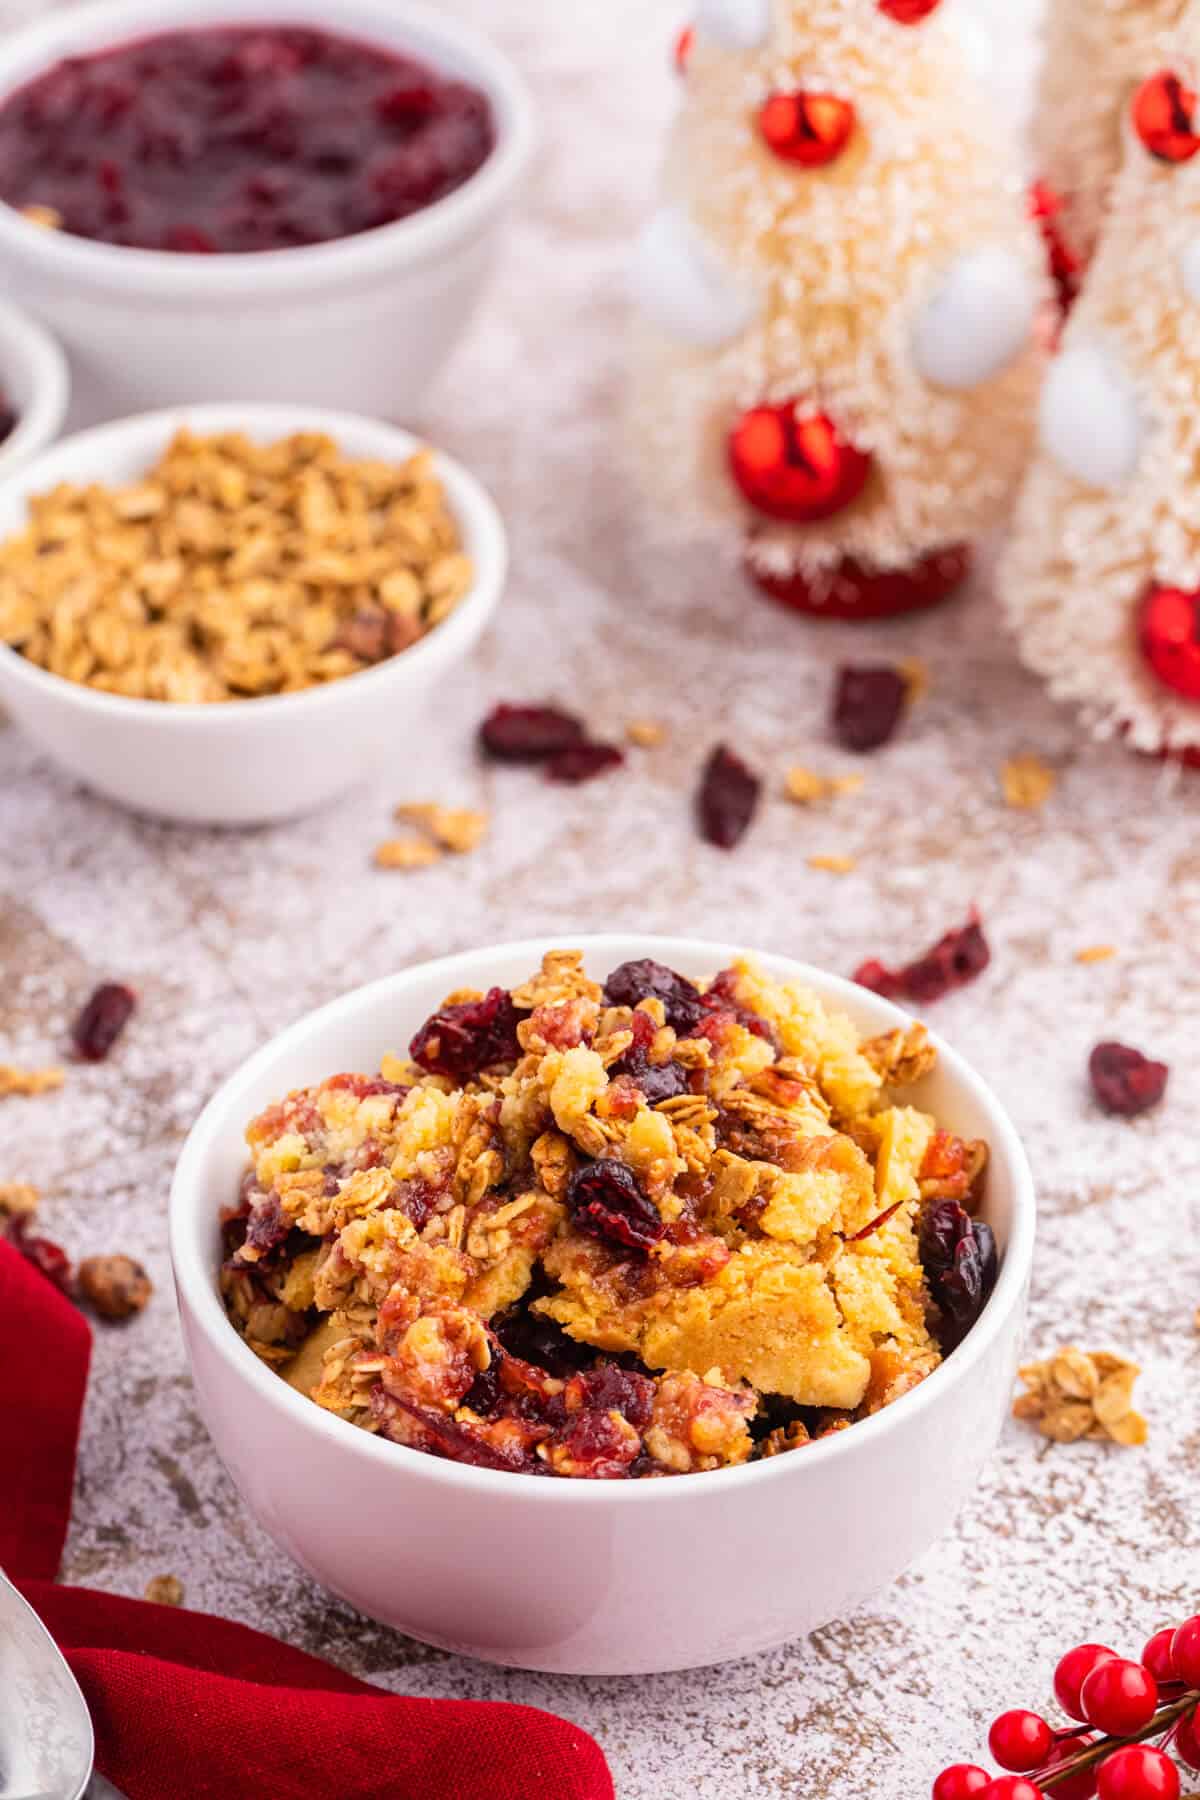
99,1789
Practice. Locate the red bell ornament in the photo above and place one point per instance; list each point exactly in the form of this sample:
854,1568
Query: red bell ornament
1164,117
1169,634
795,466
811,130
908,12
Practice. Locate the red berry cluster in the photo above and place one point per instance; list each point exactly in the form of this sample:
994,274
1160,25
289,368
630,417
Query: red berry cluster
1127,1715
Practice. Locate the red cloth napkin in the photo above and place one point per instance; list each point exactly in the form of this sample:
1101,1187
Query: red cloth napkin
186,1705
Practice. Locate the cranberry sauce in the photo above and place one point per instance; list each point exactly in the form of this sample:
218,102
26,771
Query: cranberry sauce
238,139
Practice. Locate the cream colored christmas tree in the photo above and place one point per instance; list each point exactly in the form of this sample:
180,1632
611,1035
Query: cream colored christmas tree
1097,52
837,303
1102,578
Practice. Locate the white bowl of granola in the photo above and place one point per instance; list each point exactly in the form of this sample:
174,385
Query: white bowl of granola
238,625
586,1341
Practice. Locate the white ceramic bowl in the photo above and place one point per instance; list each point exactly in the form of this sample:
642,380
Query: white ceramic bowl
362,323
598,1578
246,762
34,379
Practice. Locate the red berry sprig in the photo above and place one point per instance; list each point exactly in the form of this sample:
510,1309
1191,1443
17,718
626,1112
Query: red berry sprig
1131,1720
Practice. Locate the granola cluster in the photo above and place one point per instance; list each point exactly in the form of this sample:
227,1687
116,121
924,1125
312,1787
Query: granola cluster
1077,1394
643,1229
233,570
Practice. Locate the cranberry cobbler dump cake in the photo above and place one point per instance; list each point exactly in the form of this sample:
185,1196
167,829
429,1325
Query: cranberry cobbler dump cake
641,1229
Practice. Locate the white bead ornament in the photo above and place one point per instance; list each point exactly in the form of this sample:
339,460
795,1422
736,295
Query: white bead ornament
980,319
678,283
734,24
1090,422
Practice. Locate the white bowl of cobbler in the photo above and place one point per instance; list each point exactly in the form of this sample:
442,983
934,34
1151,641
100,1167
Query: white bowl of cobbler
608,1310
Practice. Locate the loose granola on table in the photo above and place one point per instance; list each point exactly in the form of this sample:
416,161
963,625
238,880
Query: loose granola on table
642,1229
233,570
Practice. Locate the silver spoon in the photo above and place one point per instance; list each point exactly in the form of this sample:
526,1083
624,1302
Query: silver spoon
46,1742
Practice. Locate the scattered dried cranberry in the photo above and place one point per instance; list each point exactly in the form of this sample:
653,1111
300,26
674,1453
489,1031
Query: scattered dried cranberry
462,1041
728,798
605,1200
103,1020
658,1081
633,982
1124,1081
45,1255
954,960
959,1257
529,734
868,705
583,762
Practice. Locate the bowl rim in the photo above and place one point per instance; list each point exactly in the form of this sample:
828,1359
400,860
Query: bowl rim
476,511
198,1297
40,43
24,339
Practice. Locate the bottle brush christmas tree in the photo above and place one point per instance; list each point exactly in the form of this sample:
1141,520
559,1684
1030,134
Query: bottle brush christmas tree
1102,578
1097,53
835,347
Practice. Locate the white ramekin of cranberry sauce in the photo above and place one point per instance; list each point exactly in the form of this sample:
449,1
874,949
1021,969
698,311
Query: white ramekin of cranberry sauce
257,199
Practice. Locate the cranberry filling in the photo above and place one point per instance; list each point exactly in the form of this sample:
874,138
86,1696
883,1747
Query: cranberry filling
239,139
461,1041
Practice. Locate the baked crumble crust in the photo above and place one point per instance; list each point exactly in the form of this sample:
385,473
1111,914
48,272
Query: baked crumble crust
576,1236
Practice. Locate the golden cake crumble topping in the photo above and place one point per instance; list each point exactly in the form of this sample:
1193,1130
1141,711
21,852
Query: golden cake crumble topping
640,1229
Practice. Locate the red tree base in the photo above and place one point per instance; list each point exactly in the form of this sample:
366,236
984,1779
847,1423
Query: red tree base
854,591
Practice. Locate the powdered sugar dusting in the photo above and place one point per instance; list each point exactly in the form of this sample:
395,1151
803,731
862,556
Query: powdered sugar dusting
228,937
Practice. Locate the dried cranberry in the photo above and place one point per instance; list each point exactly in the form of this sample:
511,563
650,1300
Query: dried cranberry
597,1447
103,1020
532,1339
266,1227
657,1081
721,997
462,1041
611,1389
9,419
583,762
954,960
633,982
959,1257
868,705
529,734
1124,1081
606,1201
46,1256
728,798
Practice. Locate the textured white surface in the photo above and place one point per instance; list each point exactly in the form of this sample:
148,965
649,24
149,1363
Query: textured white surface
229,937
